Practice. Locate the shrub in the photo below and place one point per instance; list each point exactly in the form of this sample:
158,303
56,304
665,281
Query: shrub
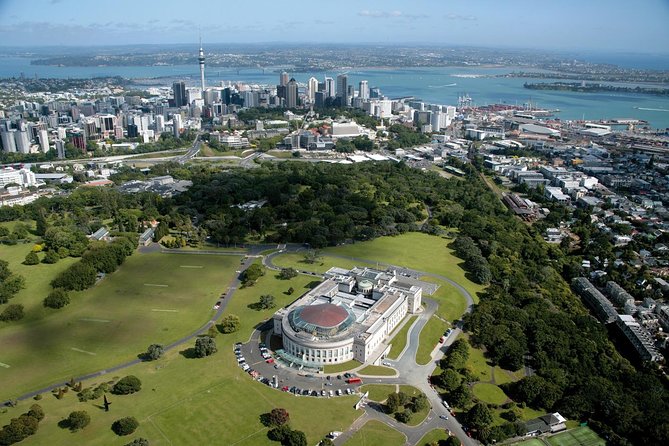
125,426
36,412
138,442
57,299
79,276
127,385
78,419
230,323
52,256
31,259
13,312
278,416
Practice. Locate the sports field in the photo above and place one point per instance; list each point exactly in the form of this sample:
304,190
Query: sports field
152,298
580,436
375,433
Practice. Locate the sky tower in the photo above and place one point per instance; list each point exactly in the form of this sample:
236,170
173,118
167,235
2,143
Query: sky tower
200,59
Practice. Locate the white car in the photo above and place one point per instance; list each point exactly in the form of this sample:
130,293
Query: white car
386,363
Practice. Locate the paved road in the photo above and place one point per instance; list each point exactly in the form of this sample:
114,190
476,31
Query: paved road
228,292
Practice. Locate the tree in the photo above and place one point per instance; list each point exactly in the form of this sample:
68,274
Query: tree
295,438
125,426
78,419
479,416
312,256
392,402
155,351
205,346
403,398
452,441
31,259
58,298
461,396
326,442
79,276
449,379
42,223
267,301
251,274
278,416
419,403
52,256
13,312
36,412
287,273
403,416
138,442
230,323
290,291
279,433
127,385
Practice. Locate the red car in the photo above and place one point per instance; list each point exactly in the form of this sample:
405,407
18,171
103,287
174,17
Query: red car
270,361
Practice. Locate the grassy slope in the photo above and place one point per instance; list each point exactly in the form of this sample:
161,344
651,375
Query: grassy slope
429,338
375,433
113,321
217,402
377,370
378,392
399,340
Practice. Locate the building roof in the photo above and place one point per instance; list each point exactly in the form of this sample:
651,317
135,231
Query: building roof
324,315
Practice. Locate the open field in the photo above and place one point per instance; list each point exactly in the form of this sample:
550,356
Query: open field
399,339
378,392
452,304
429,338
413,250
375,433
296,260
489,393
378,370
221,406
432,436
150,299
478,364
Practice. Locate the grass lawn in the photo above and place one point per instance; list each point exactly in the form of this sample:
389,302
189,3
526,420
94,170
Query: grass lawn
581,436
503,376
452,304
399,340
531,442
429,338
433,436
417,417
414,250
378,370
376,433
489,393
152,298
343,367
220,404
296,260
378,392
478,364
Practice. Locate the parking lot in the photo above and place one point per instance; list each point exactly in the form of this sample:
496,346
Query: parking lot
261,364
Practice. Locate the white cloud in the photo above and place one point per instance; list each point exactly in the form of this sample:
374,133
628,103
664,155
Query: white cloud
452,16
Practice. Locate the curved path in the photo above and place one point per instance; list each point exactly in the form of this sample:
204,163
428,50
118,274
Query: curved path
232,286
409,371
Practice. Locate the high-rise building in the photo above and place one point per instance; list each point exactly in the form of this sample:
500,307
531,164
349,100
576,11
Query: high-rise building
283,79
200,59
8,140
177,125
160,124
363,90
329,87
342,86
22,141
60,148
179,90
312,88
43,138
319,99
291,93
250,99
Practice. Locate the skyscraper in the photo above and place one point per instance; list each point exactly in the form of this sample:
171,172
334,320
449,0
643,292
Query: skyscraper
179,90
200,59
291,93
312,89
283,79
329,87
363,90
342,85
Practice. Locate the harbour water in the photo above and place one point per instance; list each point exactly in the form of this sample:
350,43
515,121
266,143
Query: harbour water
441,85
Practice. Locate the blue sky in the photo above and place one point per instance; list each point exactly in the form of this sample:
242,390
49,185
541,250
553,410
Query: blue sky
601,25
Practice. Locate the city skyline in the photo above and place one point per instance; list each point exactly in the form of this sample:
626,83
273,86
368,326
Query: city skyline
613,26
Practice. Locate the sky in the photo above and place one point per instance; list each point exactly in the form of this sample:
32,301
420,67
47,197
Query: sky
640,26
